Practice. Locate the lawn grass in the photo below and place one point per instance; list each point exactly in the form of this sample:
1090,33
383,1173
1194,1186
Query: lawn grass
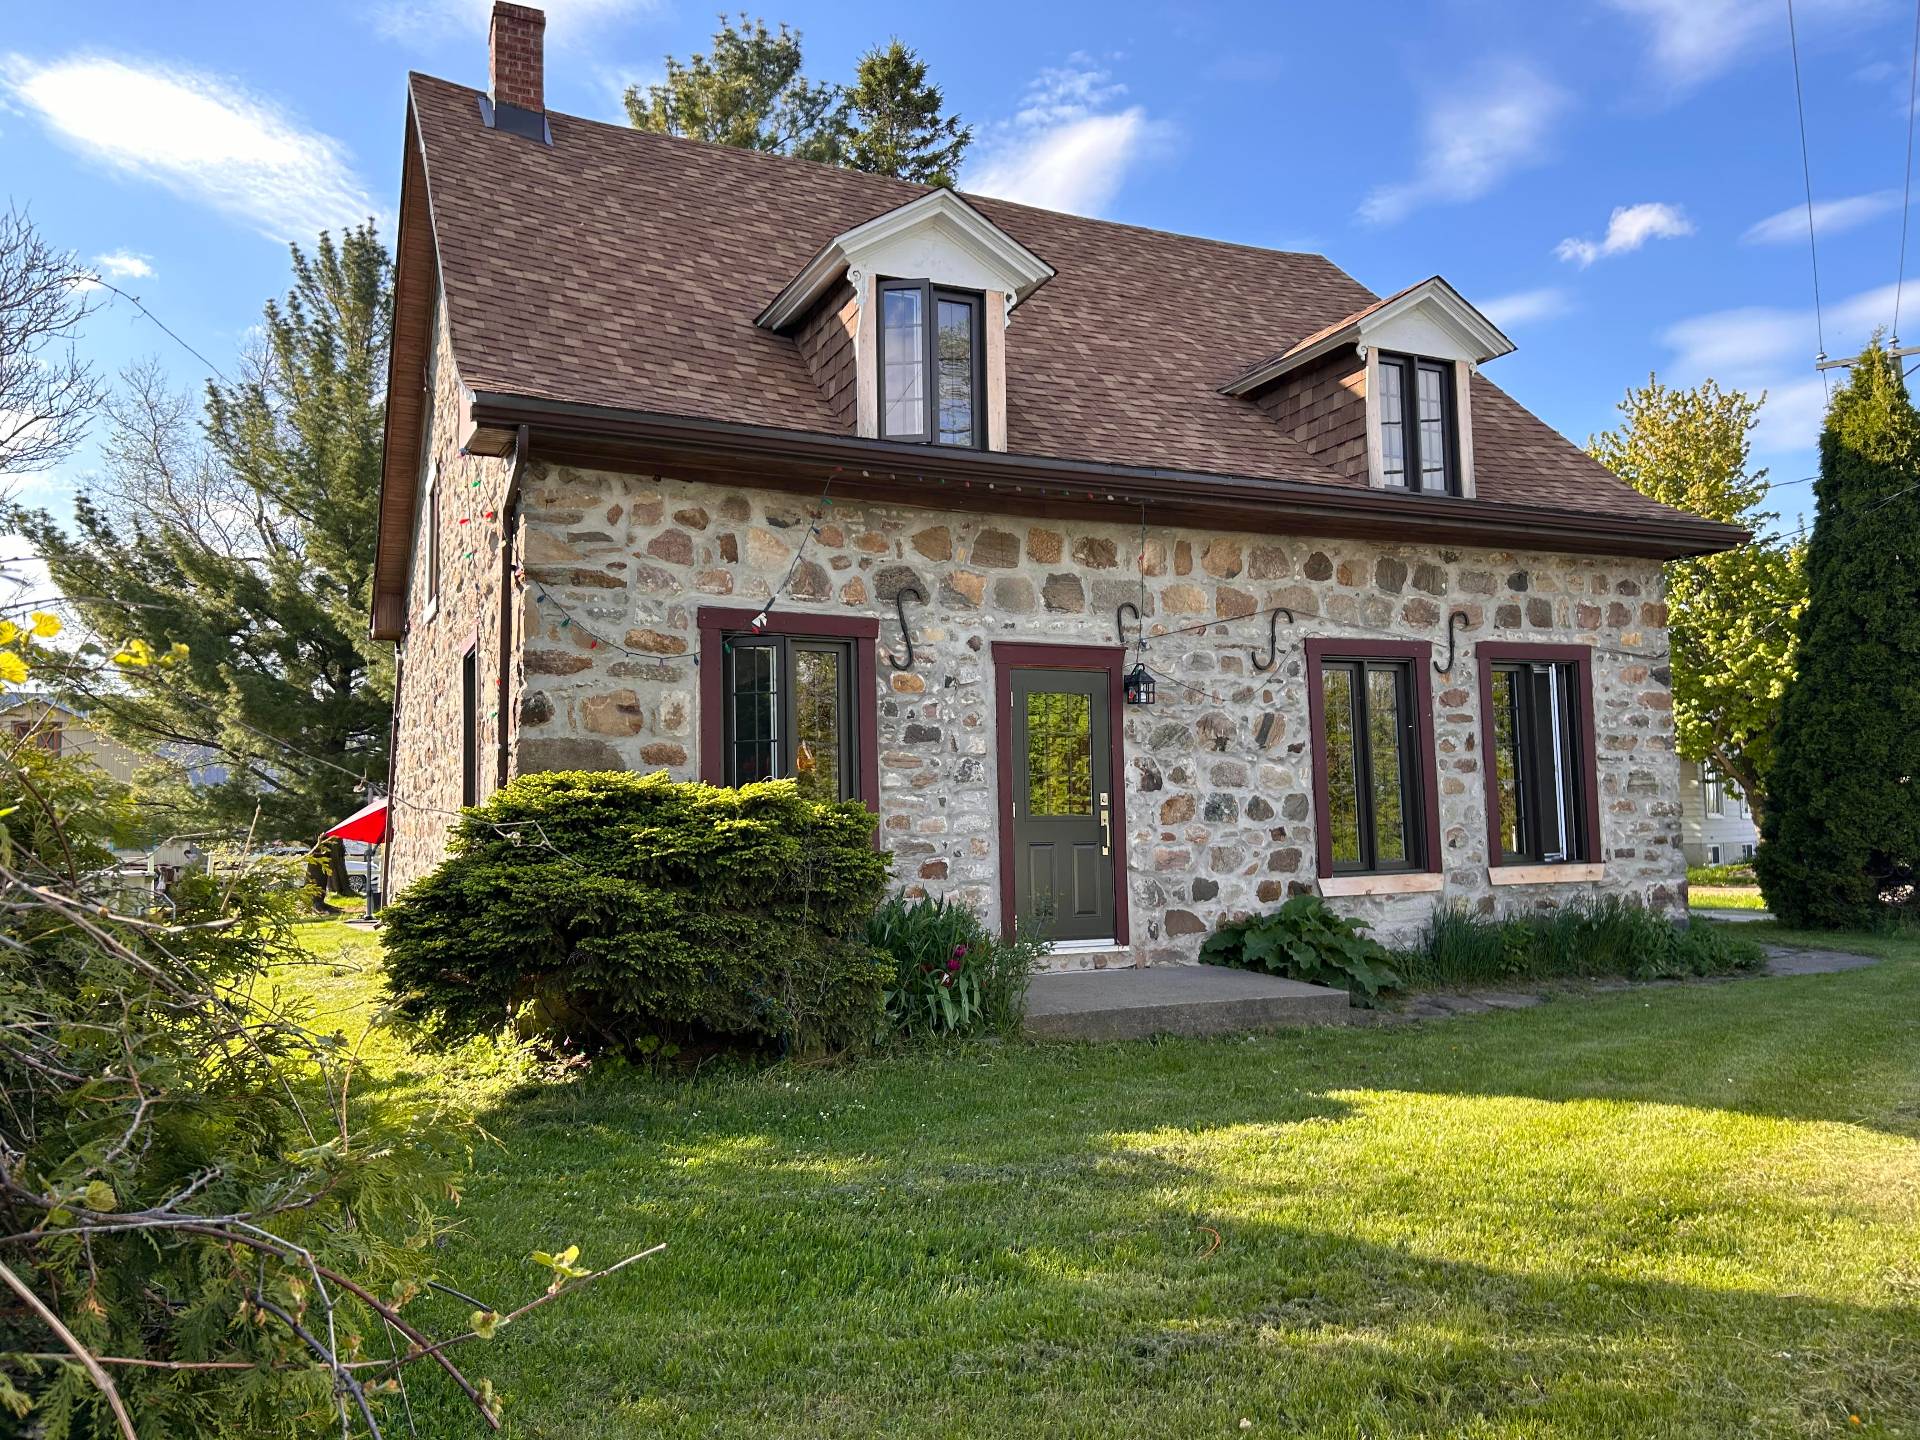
1725,897
1673,1211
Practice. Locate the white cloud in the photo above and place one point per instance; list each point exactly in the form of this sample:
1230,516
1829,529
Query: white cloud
1473,137
124,265
1771,348
197,135
1692,41
1525,307
568,21
1069,146
1830,217
1628,228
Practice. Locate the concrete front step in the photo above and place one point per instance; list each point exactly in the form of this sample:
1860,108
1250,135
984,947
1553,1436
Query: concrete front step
1130,1004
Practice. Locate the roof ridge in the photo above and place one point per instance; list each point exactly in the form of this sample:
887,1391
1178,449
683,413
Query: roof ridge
971,196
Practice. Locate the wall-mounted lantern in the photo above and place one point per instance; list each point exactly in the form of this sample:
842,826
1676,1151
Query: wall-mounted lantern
1139,685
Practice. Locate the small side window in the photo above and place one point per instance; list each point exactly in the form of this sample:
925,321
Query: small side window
932,364
1419,439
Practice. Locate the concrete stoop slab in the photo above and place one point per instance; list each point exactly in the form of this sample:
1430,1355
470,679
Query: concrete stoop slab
1132,1004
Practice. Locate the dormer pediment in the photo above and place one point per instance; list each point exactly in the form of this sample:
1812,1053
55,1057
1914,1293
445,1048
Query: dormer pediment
938,237
1431,319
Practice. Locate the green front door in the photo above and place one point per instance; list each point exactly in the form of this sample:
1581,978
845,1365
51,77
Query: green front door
1063,802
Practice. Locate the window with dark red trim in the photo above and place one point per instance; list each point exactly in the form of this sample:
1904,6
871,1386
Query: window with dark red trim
1370,710
1537,747
797,697
470,726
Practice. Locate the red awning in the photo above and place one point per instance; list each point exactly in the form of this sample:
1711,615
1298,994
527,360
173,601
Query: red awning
368,823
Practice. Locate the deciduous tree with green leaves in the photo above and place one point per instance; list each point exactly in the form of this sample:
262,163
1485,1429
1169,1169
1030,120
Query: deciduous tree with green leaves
1843,834
252,542
1731,615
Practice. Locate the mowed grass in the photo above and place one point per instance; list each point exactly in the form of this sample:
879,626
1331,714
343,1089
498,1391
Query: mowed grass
1673,1211
1725,897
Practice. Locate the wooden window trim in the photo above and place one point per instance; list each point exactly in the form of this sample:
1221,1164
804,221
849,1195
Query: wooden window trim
717,621
1488,654
930,297
1410,367
1426,786
1011,655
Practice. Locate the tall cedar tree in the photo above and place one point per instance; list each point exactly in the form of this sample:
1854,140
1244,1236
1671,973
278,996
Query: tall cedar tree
898,129
1732,614
749,93
1842,836
270,595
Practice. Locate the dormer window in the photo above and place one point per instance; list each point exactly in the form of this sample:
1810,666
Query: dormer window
932,371
1419,432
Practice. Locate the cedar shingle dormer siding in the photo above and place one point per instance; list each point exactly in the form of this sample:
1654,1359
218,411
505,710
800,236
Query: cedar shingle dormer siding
826,341
1323,408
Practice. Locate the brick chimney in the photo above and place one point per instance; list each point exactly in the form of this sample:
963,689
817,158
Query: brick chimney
515,66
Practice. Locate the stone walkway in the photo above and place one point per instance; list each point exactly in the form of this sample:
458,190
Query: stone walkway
1445,1004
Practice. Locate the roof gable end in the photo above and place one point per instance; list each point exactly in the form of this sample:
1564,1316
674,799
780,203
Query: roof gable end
1431,318
938,236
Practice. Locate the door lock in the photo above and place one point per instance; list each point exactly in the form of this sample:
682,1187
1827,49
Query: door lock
1106,825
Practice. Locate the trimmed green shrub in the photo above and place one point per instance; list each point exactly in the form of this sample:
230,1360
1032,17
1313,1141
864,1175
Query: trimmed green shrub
1304,940
1587,939
610,909
951,975
1842,821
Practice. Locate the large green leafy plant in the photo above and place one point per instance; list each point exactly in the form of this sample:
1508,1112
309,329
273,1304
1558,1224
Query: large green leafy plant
1304,940
615,910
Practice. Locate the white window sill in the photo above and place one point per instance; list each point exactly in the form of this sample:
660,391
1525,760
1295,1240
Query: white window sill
1544,874
433,609
1395,884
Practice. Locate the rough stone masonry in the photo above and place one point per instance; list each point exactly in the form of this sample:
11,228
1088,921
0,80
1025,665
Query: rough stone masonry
1217,773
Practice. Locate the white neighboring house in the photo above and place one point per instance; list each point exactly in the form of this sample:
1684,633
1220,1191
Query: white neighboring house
1716,825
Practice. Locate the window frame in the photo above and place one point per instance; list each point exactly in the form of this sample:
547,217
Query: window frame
1421,790
717,623
1413,471
470,724
787,702
1491,655
930,297
431,523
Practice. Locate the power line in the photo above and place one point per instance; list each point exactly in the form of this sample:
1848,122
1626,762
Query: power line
1906,178
168,330
1806,172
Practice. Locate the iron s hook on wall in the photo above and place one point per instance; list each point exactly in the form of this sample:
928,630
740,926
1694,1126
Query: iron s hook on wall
900,609
1273,639
1454,621
1120,625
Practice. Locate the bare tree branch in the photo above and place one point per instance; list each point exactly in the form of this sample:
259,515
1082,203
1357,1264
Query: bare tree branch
47,393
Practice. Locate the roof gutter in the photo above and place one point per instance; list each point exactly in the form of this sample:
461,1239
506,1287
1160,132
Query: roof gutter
924,475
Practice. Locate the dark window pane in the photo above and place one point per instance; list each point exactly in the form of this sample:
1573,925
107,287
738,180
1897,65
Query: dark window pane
956,363
1059,753
1343,786
903,359
754,706
1385,697
817,723
1393,430
1433,428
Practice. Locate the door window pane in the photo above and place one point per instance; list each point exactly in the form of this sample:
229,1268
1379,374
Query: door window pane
817,722
1343,786
1393,430
1385,699
903,403
956,362
1059,753
1433,427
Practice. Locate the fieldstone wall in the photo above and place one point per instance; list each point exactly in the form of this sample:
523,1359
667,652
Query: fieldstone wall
469,491
1218,773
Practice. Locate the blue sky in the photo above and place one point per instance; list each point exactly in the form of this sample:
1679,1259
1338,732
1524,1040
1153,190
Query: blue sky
1617,182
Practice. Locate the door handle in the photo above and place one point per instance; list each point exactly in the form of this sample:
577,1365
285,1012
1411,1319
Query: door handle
1106,828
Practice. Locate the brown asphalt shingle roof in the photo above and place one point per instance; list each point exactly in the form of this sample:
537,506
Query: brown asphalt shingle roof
625,269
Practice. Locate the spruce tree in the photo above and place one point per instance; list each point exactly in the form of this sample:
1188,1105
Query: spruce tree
252,544
1842,836
898,127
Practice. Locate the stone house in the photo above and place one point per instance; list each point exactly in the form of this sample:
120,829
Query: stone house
739,466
